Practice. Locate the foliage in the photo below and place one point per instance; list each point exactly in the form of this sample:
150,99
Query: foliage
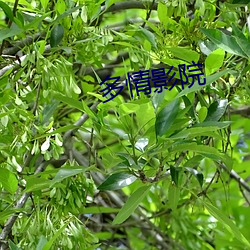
167,170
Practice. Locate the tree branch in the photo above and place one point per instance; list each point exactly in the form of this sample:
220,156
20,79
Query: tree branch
21,44
235,176
16,63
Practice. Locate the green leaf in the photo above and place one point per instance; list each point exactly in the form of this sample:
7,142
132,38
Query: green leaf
174,172
13,246
209,79
194,161
56,131
98,210
198,175
7,10
185,54
219,125
223,41
214,61
216,110
227,223
162,12
244,45
202,114
166,117
49,244
36,21
8,180
33,183
148,35
68,12
132,203
193,132
49,110
204,150
13,31
70,101
41,243
189,105
44,3
56,35
173,196
9,211
157,99
66,172
128,108
237,32
117,181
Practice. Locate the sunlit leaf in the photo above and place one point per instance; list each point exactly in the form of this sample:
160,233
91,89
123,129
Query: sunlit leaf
214,61
8,180
173,196
117,181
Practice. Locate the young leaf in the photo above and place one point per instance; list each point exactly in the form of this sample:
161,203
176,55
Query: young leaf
166,117
173,196
117,181
8,180
214,61
49,244
64,173
132,203
7,10
202,114
162,12
56,35
185,54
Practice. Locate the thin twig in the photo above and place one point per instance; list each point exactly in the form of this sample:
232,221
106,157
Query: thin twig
148,14
37,97
235,176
